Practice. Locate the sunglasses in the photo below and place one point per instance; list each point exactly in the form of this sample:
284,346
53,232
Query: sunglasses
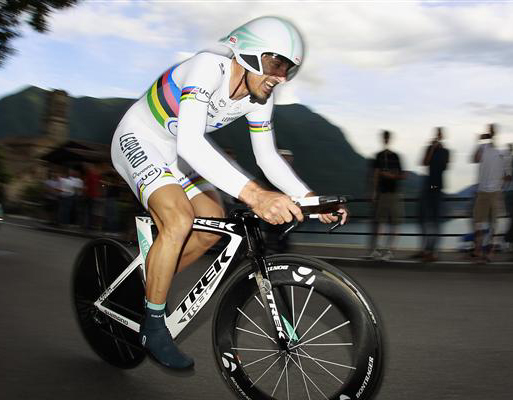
275,65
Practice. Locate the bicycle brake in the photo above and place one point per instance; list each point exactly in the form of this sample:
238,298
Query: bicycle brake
293,226
339,223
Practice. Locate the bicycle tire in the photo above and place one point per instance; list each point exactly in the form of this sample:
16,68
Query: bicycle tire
98,264
301,279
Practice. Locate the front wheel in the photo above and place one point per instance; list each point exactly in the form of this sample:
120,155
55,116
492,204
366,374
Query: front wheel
334,348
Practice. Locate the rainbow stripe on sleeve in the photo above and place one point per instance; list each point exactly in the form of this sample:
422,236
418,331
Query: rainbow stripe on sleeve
260,126
189,93
164,97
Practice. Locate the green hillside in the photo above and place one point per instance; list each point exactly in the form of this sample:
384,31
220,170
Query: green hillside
90,118
94,119
21,113
322,155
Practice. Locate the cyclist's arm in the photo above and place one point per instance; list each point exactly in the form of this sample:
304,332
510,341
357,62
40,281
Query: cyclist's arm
275,168
205,76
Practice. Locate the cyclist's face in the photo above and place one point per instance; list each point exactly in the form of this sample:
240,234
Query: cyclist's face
275,65
275,70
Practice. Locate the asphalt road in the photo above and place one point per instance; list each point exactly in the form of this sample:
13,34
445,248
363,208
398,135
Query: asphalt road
449,331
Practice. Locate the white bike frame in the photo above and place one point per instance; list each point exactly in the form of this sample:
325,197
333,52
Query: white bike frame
202,291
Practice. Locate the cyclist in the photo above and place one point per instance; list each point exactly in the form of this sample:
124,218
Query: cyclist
161,150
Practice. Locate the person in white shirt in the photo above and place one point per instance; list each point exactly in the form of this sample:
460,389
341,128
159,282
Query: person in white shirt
494,173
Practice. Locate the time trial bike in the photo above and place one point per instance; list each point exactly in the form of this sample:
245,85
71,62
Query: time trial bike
286,326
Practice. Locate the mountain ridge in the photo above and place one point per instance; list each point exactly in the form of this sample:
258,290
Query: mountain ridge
323,157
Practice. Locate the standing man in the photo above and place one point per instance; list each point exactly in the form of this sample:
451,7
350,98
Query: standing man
508,198
388,205
161,149
494,173
436,158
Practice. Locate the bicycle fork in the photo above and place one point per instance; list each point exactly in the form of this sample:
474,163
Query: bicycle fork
273,299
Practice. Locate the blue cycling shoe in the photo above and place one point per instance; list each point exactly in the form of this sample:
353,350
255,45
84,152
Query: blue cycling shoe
156,339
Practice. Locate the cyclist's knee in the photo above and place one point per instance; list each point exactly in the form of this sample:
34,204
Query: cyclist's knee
175,221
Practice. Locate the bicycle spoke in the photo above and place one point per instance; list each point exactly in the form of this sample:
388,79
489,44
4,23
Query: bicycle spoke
254,323
260,359
302,374
287,378
305,375
251,332
317,320
103,330
320,335
300,315
326,344
249,349
326,361
101,278
265,372
259,302
281,375
315,360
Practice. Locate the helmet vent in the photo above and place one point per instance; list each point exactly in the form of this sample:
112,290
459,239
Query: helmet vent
252,61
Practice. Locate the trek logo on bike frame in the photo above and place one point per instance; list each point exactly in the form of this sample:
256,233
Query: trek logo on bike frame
276,316
214,224
205,285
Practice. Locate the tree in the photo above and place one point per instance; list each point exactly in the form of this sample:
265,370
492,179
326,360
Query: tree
14,12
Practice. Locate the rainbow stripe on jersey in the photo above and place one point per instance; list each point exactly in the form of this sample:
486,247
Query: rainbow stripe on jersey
164,97
260,126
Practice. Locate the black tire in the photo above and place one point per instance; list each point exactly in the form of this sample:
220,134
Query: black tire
346,366
98,264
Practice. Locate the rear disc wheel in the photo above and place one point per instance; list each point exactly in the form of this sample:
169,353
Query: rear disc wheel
99,263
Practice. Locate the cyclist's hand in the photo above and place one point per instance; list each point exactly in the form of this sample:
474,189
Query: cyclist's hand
273,207
330,218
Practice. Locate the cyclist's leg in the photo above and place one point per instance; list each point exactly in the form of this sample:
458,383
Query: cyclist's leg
143,157
205,201
173,214
206,204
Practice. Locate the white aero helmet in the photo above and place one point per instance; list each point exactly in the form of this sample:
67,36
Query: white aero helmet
266,35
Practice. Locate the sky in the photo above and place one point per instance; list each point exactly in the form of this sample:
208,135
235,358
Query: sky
404,66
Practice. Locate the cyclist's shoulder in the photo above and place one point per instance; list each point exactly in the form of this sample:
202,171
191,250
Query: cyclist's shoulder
208,59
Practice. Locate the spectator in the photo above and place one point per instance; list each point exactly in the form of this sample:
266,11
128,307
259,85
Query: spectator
112,194
436,158
51,196
92,197
388,206
70,188
508,197
77,185
66,192
494,172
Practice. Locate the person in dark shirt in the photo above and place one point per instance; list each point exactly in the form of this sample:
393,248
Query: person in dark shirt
436,158
388,207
